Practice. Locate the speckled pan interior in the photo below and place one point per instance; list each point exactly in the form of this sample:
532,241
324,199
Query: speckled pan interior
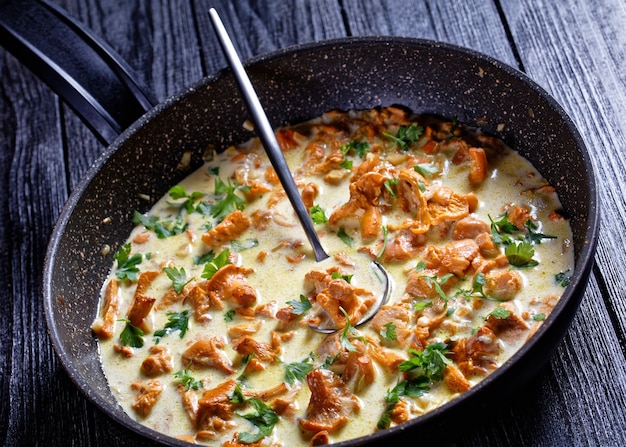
294,85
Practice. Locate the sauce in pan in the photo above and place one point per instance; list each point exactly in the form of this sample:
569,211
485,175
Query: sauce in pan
204,320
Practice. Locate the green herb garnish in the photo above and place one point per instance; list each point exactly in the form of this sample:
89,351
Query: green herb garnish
126,264
297,371
263,417
131,335
406,135
187,380
178,278
300,307
521,254
215,264
176,321
318,216
426,169
345,237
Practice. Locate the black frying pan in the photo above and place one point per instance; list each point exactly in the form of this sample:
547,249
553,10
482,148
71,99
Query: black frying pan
296,84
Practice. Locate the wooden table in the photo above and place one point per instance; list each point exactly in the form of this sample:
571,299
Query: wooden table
575,49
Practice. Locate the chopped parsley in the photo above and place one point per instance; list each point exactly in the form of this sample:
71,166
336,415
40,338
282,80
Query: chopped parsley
178,278
227,200
390,184
501,229
499,313
429,362
300,307
162,227
238,246
131,335
297,371
318,216
406,135
126,264
384,246
176,321
389,331
187,380
521,254
347,333
263,418
410,388
437,282
426,170
563,278
421,305
360,148
216,263
345,237
178,192
337,275
229,315
532,235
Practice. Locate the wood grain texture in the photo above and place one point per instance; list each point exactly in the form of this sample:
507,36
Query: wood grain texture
574,49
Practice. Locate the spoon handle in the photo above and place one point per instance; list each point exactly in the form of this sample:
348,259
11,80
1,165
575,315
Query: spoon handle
265,132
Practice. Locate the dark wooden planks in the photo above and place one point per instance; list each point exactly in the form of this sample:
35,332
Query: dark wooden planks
576,53
475,25
574,50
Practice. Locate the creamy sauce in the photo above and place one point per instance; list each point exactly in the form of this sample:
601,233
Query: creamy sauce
280,258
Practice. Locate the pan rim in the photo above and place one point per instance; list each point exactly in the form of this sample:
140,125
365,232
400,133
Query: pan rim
567,305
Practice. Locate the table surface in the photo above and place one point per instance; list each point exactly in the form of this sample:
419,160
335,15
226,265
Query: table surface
575,49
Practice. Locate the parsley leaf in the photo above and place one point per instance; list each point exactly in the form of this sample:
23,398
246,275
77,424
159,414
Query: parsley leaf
533,236
176,321
563,278
300,307
421,305
389,332
499,313
178,192
187,380
521,254
227,200
318,216
215,264
126,264
162,228
263,417
426,169
337,275
348,332
411,388
429,362
297,371
384,246
501,229
359,147
178,277
390,184
345,237
406,135
238,246
437,282
131,335
229,315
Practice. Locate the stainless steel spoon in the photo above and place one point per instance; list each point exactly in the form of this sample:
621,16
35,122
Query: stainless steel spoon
266,134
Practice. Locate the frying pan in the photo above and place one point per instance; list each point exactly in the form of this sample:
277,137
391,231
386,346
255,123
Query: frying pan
294,84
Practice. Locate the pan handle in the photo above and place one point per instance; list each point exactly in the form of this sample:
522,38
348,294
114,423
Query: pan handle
82,70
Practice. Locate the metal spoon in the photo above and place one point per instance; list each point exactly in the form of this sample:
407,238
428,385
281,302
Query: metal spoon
266,134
